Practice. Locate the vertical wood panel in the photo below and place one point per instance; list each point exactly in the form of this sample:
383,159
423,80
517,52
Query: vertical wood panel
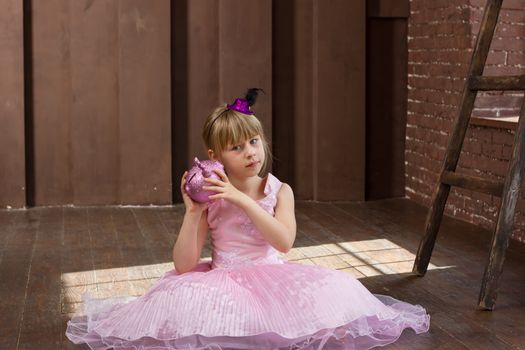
386,121
94,135
51,102
12,167
144,102
228,51
203,72
179,93
341,101
102,102
102,93
195,64
304,98
327,100
245,50
283,19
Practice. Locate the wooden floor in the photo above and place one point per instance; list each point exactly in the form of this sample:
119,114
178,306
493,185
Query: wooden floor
49,256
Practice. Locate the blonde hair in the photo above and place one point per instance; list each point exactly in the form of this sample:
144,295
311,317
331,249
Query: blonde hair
225,127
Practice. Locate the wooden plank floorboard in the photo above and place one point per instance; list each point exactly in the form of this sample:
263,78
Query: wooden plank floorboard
41,323
315,228
160,242
136,247
468,238
78,268
143,259
509,322
459,290
349,229
153,228
14,274
111,274
172,220
123,250
471,260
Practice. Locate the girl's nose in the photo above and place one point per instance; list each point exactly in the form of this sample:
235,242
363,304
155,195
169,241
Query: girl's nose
251,151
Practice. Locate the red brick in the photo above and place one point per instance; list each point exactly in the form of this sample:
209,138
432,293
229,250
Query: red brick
483,134
496,57
505,137
492,150
449,13
472,146
442,69
499,168
512,16
440,42
508,44
504,70
516,58
510,30
506,152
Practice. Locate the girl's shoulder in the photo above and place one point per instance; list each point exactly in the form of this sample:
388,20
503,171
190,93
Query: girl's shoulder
273,184
277,189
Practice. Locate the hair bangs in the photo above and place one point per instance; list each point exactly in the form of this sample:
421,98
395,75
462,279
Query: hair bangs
235,129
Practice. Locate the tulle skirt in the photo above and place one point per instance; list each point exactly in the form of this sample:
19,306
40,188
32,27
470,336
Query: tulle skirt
271,306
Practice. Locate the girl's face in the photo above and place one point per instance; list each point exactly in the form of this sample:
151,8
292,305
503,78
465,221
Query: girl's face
244,159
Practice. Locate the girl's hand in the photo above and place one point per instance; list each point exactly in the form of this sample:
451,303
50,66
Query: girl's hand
225,189
191,205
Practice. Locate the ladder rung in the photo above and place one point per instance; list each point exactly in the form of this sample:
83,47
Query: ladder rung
474,183
486,83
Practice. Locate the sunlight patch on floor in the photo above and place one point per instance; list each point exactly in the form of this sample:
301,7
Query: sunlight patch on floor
365,258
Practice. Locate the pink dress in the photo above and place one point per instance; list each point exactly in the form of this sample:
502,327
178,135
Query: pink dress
247,297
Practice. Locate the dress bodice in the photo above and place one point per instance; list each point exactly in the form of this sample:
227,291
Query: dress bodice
234,238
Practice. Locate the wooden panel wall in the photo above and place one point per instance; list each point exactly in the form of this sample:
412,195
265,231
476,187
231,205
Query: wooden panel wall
101,102
145,102
51,103
319,110
12,148
387,94
339,81
121,89
225,48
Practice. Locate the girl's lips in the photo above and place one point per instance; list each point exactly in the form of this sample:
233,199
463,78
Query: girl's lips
252,165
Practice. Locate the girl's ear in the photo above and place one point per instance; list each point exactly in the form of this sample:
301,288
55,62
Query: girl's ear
211,154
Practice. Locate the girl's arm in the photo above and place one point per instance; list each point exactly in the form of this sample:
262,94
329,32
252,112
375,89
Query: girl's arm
192,234
188,247
278,230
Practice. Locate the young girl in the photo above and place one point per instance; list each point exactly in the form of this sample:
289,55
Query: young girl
248,296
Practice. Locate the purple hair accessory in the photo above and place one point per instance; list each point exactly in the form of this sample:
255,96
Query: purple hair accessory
240,105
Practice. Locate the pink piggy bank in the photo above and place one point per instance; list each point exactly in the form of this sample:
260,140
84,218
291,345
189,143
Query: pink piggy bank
195,179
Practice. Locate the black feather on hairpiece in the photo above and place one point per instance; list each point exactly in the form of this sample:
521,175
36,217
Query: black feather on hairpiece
251,95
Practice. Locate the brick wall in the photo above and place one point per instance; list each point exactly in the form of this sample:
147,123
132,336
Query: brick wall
442,34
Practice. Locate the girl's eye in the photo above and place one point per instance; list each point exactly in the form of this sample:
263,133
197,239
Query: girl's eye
253,141
236,148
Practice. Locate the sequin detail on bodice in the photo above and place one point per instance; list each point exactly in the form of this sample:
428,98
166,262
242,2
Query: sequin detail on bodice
235,239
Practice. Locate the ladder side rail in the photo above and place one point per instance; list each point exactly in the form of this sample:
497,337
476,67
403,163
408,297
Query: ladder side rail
435,213
501,236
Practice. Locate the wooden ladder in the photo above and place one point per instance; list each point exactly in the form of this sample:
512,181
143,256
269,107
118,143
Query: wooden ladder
508,191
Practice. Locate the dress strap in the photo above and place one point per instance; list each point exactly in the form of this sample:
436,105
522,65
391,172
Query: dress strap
273,185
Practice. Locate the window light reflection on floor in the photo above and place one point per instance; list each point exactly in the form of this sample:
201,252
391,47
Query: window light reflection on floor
364,258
